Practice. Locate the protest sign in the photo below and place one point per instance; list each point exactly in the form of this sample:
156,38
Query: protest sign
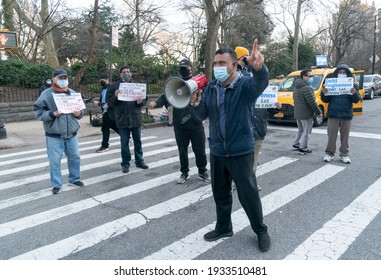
67,104
132,91
338,86
268,98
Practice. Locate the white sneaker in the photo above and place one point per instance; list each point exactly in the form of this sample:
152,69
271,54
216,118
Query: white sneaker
345,159
328,158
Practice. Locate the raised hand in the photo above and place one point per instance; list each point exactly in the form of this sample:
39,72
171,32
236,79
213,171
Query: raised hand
255,58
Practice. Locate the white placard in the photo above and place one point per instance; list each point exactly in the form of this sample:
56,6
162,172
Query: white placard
132,91
67,104
338,86
268,98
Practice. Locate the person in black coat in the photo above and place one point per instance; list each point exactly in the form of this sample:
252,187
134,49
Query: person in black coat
128,118
188,128
107,121
46,85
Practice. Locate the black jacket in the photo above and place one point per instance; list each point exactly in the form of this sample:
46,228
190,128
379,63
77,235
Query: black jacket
127,114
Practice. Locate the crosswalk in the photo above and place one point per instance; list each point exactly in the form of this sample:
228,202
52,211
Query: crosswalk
145,215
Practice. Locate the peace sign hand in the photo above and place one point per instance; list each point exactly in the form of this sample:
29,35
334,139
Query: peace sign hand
256,59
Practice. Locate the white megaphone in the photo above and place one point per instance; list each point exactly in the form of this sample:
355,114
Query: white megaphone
179,92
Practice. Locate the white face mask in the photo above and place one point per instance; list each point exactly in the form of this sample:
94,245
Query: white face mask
221,73
341,75
62,83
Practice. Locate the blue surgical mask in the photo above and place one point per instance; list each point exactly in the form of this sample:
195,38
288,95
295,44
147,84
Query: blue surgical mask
221,73
341,75
62,83
311,80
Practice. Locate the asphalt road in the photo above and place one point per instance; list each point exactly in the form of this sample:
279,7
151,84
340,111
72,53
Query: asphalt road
314,210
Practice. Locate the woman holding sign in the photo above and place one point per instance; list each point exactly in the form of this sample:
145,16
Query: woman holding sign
340,114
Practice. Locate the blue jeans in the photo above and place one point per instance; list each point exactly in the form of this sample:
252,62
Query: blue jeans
55,148
125,148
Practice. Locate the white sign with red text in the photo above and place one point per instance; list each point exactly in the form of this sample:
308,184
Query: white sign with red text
67,104
132,91
268,98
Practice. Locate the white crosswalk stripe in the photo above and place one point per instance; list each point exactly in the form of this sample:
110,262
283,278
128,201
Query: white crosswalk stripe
21,196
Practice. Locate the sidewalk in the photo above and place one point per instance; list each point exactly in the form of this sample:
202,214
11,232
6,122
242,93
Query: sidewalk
31,132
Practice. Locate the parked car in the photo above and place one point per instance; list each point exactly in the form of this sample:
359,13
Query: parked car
372,85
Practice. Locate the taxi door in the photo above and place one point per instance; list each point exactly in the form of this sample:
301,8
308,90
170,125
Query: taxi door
359,78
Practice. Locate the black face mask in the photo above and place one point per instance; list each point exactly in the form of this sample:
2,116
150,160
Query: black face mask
103,83
184,72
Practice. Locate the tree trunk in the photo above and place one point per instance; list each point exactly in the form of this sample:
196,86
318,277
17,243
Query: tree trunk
47,35
295,56
92,47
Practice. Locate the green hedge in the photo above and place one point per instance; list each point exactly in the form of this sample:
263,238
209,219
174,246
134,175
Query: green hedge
23,74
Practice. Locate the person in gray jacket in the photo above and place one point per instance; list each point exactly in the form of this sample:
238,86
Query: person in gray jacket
60,131
305,107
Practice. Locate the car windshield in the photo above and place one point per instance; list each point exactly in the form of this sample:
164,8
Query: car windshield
368,78
288,83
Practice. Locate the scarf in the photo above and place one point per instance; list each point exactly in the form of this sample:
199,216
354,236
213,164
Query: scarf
58,89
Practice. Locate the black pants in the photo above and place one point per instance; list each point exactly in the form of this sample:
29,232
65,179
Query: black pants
107,123
239,169
197,138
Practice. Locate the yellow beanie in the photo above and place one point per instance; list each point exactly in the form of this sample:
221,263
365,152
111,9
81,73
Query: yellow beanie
241,51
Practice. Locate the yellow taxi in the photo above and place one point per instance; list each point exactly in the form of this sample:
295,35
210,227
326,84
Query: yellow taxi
286,88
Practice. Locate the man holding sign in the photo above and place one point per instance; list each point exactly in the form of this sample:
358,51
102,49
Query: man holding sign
60,109
340,113
126,99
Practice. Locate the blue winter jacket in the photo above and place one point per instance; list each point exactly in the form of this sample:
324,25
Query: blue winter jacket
240,97
340,106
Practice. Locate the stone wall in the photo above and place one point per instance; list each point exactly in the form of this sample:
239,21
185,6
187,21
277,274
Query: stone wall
16,111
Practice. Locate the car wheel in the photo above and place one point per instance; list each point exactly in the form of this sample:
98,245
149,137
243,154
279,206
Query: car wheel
371,94
318,120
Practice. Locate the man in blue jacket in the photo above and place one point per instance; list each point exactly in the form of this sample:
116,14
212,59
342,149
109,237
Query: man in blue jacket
340,115
228,102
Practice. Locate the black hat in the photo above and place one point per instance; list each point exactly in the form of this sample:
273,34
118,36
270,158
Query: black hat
102,76
185,63
59,72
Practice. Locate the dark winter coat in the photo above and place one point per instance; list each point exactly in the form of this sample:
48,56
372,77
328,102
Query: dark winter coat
240,96
340,106
305,105
127,114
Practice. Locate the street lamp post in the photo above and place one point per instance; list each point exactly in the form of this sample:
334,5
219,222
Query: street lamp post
376,30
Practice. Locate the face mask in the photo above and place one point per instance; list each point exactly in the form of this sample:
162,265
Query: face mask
103,83
126,77
221,73
62,83
49,82
310,80
341,75
184,72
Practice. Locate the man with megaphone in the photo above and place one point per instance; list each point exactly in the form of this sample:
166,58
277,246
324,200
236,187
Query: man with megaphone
227,101
187,125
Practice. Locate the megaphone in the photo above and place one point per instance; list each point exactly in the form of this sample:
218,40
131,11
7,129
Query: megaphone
179,92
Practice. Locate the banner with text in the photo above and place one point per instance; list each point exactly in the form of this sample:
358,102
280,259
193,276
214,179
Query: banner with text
338,86
67,104
268,98
132,91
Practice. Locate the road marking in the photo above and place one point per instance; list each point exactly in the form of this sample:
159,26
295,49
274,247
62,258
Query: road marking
194,244
64,160
321,131
81,241
44,149
334,238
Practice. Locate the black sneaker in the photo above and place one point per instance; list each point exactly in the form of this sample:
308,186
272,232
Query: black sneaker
77,183
264,242
304,151
295,147
204,176
142,166
183,178
101,150
56,190
214,235
125,169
